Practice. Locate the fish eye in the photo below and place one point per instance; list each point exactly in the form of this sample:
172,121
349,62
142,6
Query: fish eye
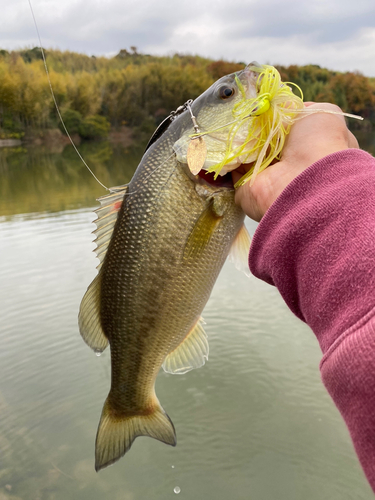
225,92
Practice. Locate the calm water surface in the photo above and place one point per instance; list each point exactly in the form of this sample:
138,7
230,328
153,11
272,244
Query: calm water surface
254,423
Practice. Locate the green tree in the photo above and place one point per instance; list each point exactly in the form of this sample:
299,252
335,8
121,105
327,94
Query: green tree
94,127
72,120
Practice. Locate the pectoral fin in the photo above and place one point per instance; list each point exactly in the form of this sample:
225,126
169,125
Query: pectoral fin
202,232
191,353
239,252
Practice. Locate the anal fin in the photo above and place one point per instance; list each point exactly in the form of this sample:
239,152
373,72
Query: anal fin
191,353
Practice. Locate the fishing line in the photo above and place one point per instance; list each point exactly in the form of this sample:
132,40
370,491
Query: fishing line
56,106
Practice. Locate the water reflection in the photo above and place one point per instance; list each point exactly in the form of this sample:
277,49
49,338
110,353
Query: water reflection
39,179
254,423
366,140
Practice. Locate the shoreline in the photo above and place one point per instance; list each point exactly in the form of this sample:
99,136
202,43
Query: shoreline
54,137
10,143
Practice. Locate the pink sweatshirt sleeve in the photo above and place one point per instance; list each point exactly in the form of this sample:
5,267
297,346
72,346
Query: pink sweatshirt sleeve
316,244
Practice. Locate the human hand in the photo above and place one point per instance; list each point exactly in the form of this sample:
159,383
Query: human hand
311,138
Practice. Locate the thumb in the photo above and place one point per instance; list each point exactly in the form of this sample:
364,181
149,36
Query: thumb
245,198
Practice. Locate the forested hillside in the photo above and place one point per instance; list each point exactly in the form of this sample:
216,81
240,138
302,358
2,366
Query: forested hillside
138,90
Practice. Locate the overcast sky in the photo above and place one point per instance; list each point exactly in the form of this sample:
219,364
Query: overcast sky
337,34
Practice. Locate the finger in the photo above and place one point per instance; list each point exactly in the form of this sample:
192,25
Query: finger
244,197
353,143
236,176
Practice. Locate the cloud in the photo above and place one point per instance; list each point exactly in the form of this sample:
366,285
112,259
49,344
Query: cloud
320,22
338,34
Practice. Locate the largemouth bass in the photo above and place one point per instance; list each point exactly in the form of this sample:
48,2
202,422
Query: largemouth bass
162,241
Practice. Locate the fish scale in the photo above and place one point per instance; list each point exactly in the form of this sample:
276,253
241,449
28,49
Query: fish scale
171,236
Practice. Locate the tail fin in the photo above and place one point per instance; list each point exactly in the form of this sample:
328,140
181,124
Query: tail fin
116,434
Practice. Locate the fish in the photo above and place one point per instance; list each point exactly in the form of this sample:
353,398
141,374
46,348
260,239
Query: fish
161,241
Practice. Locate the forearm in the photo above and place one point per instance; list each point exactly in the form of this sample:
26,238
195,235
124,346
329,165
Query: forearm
348,372
316,244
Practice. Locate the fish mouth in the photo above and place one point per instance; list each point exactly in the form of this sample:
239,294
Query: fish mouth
221,181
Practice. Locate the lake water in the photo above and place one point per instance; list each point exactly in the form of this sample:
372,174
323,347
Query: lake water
254,423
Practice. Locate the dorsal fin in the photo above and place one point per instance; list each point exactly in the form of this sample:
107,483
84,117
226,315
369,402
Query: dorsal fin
89,313
89,318
107,216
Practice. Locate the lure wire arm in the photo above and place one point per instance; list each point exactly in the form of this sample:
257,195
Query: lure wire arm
167,121
193,119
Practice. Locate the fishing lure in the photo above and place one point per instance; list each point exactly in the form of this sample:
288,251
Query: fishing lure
263,122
